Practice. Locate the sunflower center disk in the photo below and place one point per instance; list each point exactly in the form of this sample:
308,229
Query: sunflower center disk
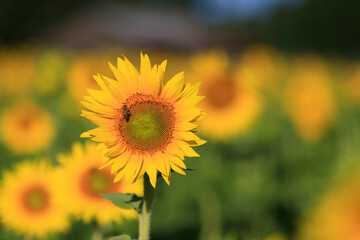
36,199
149,127
221,93
28,118
25,123
98,181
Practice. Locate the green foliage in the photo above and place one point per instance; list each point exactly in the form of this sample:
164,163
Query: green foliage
248,187
121,237
124,200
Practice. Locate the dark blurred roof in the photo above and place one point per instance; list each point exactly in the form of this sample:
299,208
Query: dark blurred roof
113,24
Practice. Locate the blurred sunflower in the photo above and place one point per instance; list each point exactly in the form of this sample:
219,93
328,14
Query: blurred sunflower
145,126
82,183
232,103
276,236
50,70
353,84
309,98
16,71
80,76
262,66
336,216
26,128
178,61
29,201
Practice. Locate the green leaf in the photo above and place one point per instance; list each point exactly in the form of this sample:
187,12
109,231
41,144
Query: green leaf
121,237
124,200
186,170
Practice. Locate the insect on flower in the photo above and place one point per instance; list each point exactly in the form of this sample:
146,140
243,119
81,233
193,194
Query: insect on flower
151,130
126,113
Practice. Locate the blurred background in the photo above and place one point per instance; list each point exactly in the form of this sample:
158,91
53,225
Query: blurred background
282,81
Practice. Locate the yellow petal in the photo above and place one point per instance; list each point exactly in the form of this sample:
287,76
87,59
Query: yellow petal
129,170
117,73
124,79
166,162
145,66
190,90
103,98
140,170
161,72
173,88
132,168
177,169
159,162
122,67
100,120
177,161
185,126
115,151
108,163
187,150
150,169
196,143
102,134
166,178
119,176
132,71
187,115
101,147
99,108
174,150
116,89
85,135
120,161
187,136
190,102
101,83
154,82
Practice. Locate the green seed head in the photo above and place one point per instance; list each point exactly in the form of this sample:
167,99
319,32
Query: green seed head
36,199
146,126
149,126
99,182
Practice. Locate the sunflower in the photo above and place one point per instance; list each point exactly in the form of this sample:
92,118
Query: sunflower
309,98
80,76
336,215
353,84
16,71
83,181
146,126
276,236
263,66
50,68
26,128
232,103
29,201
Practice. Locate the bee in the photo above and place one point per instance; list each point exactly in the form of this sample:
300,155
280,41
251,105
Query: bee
126,113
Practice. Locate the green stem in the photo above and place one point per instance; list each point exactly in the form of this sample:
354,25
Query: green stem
97,233
28,238
145,214
210,213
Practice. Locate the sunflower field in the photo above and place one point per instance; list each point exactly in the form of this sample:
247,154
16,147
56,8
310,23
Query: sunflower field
280,161
193,119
